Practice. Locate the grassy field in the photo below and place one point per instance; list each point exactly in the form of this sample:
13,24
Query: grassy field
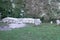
43,32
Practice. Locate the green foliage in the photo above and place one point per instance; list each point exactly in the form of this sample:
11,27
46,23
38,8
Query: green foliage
51,10
7,10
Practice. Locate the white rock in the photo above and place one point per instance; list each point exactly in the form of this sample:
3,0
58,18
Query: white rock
28,20
10,20
22,20
58,22
16,25
37,21
51,22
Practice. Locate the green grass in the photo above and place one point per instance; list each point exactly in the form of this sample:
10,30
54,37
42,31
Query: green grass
43,32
